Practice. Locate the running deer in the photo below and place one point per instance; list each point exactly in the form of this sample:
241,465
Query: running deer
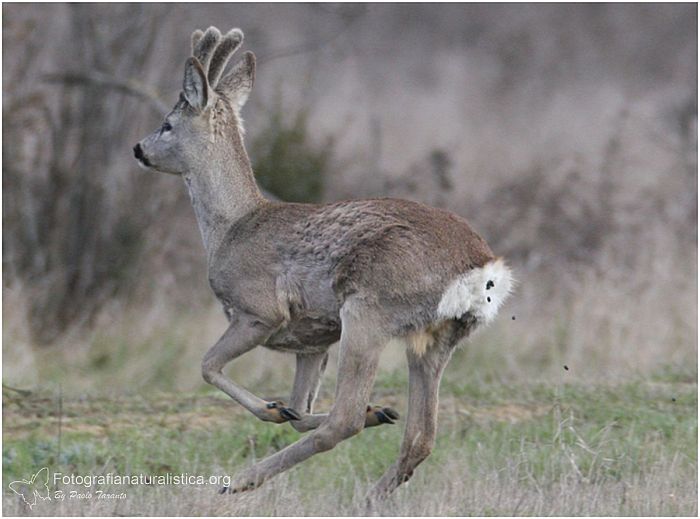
299,277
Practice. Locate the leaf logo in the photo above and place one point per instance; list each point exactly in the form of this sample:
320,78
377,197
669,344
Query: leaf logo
36,487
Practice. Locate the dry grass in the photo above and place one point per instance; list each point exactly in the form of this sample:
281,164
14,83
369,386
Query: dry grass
533,450
451,492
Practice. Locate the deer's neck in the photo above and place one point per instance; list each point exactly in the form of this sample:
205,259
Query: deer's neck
222,190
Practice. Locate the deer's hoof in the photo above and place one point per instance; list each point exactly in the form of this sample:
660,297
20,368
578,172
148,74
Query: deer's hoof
289,414
280,413
238,489
378,415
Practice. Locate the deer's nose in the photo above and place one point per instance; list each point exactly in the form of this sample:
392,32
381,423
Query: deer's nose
138,152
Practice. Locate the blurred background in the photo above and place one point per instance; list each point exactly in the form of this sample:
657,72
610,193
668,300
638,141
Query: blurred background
566,134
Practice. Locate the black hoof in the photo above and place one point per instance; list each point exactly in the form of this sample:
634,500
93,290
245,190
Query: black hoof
285,412
230,490
289,414
391,413
387,415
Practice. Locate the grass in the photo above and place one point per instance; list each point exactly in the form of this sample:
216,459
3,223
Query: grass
503,449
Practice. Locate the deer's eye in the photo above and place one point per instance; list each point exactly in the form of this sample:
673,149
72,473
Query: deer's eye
166,127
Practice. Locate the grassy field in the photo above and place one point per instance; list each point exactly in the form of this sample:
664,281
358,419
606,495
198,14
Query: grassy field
568,448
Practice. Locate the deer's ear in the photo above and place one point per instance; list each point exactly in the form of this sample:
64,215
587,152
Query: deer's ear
195,85
239,81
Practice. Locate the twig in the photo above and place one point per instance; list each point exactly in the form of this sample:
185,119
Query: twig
517,506
60,423
100,79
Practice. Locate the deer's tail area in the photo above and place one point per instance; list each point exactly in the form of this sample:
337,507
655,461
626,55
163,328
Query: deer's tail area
481,292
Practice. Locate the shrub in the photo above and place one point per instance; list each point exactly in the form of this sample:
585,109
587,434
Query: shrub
285,160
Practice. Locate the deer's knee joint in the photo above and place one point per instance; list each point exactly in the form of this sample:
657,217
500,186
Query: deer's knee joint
348,426
330,435
351,429
209,371
325,439
422,451
300,426
418,453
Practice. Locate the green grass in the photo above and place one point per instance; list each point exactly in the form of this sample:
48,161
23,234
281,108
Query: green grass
531,439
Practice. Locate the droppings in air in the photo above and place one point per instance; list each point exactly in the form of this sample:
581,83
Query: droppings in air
488,299
489,284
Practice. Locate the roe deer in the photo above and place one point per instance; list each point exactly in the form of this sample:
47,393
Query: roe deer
299,277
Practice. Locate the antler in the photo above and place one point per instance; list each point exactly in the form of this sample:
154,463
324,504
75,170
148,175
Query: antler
214,51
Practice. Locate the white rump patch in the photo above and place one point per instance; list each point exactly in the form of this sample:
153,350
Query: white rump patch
480,291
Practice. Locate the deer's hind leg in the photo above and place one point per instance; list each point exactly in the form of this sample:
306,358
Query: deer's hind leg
361,342
425,373
243,334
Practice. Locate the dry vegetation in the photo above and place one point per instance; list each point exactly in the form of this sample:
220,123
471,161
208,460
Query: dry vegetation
504,449
566,134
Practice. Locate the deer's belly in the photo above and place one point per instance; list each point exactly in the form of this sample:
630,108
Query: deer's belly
306,335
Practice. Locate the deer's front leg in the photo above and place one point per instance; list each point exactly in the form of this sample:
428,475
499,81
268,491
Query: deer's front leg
243,334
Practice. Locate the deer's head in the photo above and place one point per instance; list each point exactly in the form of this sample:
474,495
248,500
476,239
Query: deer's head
207,112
